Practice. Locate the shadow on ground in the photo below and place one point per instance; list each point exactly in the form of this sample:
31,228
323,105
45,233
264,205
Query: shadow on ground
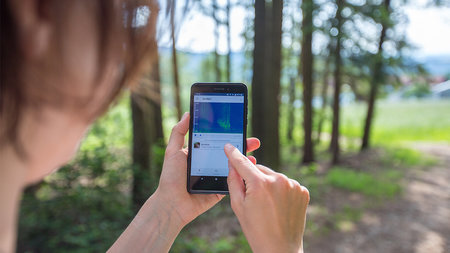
416,221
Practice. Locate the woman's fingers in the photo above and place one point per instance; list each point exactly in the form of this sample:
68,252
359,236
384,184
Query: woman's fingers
265,170
252,159
243,166
253,144
235,185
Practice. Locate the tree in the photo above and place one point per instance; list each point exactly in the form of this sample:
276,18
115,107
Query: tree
291,111
377,74
324,97
227,24
147,125
176,80
266,79
306,59
334,145
215,9
258,71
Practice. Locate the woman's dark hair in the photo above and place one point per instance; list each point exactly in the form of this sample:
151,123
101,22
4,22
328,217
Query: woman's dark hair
126,30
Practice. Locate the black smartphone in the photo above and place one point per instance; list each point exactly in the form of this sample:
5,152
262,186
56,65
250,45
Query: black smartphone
218,116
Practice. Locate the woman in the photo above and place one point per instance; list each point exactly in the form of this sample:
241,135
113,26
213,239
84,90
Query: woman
62,63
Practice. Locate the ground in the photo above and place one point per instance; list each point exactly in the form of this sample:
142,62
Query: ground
416,221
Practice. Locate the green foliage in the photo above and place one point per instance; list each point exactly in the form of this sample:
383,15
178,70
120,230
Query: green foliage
85,205
113,129
399,122
418,90
80,208
404,157
236,244
383,185
348,213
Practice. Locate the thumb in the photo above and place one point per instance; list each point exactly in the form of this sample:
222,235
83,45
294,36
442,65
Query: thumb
176,140
236,186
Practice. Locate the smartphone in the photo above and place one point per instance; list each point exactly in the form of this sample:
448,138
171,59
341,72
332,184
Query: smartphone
218,116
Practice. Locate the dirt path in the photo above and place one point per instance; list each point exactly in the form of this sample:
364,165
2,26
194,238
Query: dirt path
416,222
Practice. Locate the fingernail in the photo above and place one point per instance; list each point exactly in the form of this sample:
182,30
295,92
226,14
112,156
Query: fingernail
228,147
184,116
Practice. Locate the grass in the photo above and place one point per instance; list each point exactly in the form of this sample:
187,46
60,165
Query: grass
397,122
383,185
346,218
235,244
405,157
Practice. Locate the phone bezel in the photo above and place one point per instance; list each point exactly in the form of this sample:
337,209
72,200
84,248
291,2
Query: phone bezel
214,88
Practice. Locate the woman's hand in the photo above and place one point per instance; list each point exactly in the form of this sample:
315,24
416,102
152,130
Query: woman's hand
172,189
271,208
171,207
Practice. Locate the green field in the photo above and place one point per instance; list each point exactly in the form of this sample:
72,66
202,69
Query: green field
399,122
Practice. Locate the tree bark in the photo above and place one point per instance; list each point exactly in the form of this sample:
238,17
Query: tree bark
147,128
334,146
307,59
376,79
273,88
324,96
266,80
175,62
141,150
147,134
258,71
291,111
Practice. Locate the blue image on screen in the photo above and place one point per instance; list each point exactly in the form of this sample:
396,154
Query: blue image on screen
219,118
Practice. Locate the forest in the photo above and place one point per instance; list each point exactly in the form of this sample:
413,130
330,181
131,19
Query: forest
337,99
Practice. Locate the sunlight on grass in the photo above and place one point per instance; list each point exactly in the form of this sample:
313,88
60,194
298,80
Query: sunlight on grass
383,185
237,244
346,218
397,156
424,120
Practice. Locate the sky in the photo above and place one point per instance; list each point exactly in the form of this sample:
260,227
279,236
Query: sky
428,29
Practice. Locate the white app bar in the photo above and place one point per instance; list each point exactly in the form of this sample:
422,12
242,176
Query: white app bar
218,99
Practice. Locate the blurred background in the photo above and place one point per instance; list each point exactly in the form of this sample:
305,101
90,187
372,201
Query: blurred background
349,97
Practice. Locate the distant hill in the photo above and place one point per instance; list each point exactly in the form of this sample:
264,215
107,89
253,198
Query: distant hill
195,61
437,65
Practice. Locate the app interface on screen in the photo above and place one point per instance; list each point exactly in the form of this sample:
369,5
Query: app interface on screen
218,119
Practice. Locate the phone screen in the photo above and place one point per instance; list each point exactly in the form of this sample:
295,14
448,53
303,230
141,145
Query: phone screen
217,119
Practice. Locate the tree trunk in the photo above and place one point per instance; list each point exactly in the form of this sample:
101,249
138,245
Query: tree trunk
266,80
272,103
147,129
307,75
291,111
175,62
141,149
376,79
324,96
228,9
147,134
334,146
156,103
216,42
258,72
